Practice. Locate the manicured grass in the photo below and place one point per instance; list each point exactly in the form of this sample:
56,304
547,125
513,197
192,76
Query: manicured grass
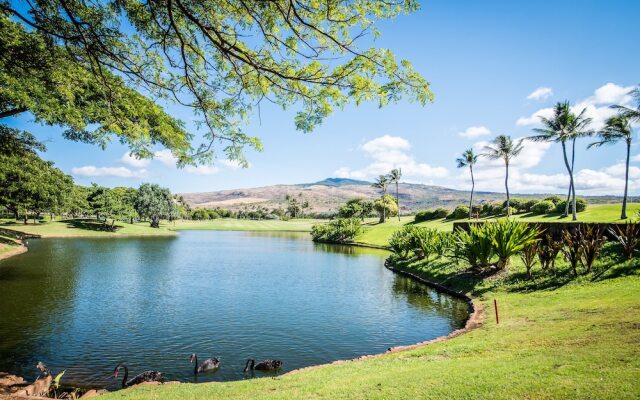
232,224
83,228
7,244
558,337
379,234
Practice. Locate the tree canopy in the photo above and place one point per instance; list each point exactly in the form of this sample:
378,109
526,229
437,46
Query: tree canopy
97,66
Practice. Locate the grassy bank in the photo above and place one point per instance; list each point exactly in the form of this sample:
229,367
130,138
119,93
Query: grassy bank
379,234
83,228
7,245
559,337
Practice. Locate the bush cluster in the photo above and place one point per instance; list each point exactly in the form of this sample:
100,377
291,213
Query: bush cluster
430,215
420,242
341,230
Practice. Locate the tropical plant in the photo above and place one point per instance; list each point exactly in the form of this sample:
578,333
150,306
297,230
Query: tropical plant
469,159
339,231
564,125
528,257
548,249
423,241
382,182
571,247
473,247
618,128
633,114
628,235
503,147
591,242
394,177
509,237
401,241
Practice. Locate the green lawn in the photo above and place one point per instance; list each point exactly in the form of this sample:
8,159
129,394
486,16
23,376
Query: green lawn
232,224
558,337
378,234
7,244
83,228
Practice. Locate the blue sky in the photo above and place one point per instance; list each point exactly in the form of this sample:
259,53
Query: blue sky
493,66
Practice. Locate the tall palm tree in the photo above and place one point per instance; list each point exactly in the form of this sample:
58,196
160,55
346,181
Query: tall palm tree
381,183
394,177
562,127
618,128
469,159
503,147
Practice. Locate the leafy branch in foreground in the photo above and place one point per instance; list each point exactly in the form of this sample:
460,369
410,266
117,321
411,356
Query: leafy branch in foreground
219,58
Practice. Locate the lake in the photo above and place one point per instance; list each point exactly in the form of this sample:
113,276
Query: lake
83,305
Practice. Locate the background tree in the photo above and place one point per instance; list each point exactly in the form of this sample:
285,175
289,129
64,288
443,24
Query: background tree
76,202
564,126
394,177
618,128
386,206
220,59
356,208
153,202
503,147
469,159
382,182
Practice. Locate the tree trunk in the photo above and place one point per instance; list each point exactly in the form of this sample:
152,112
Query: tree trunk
623,215
473,185
566,163
384,206
398,200
506,186
573,186
15,214
155,221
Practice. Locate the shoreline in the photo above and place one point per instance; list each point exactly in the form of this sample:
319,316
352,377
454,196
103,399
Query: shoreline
474,320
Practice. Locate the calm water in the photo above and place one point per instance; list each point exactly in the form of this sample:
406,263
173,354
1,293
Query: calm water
86,304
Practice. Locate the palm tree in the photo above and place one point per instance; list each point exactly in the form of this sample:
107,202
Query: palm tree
564,126
469,159
618,128
632,114
381,183
503,147
394,177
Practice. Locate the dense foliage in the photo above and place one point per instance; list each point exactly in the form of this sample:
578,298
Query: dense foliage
342,230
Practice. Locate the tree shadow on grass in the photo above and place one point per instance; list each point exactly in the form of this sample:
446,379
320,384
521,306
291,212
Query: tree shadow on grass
91,225
4,240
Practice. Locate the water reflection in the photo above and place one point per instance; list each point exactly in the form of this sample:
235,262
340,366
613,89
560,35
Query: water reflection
84,305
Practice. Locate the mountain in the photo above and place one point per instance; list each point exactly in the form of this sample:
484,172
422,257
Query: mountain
327,195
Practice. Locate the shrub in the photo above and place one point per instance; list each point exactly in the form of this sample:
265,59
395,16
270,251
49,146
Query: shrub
401,241
386,206
581,205
338,231
517,204
543,207
591,242
529,204
571,248
528,257
555,199
548,249
509,237
459,213
473,247
628,235
430,215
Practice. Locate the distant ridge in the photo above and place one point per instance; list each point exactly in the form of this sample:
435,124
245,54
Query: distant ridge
328,194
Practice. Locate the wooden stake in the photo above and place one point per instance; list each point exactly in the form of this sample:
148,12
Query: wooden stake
495,306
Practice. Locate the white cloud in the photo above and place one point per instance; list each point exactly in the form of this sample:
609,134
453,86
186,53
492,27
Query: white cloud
231,164
635,158
534,118
165,157
597,106
475,131
390,152
120,172
540,93
201,169
131,160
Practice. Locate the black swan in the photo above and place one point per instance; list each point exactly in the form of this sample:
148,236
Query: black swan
207,365
266,365
146,376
